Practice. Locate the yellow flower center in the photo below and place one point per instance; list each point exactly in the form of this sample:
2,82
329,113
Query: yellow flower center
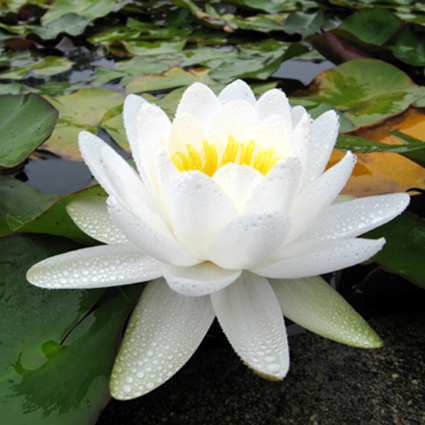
208,162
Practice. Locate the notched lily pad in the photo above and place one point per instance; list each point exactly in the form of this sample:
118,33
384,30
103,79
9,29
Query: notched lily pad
25,122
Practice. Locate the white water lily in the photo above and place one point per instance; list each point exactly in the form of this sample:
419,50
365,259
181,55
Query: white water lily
233,211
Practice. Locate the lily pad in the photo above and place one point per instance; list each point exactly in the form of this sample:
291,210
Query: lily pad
25,122
49,65
83,110
363,90
404,251
55,362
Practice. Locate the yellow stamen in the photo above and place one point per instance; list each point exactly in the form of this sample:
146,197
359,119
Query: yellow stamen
238,153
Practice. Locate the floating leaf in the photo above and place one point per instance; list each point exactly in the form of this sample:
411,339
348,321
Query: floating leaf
362,90
55,220
48,370
25,122
49,65
71,24
404,251
83,110
152,48
21,201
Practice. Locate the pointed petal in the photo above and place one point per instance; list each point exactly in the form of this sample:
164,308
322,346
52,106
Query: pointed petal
91,147
198,209
131,112
96,267
238,182
313,304
278,188
273,132
238,90
164,331
251,318
154,129
158,245
314,258
300,139
202,279
249,240
324,133
186,129
237,118
318,196
274,102
91,216
297,113
200,102
353,218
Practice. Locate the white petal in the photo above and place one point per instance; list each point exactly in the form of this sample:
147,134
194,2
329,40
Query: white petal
131,112
313,304
319,195
314,258
353,218
202,279
300,139
198,209
323,138
277,190
154,129
238,90
273,133
297,113
200,102
237,181
91,147
91,216
166,172
274,102
186,129
96,267
164,331
129,190
158,245
249,241
237,118
251,318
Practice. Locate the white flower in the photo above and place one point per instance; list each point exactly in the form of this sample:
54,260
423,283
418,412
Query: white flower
232,210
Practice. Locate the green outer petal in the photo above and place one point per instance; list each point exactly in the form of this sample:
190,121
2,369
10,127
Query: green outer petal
312,303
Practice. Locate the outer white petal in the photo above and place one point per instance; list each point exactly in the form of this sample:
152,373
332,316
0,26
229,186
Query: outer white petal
323,138
313,304
96,267
91,147
237,118
163,332
160,246
238,181
249,240
274,102
91,216
198,209
318,196
238,90
166,172
251,318
314,258
200,102
131,112
154,129
300,139
202,279
277,190
297,113
353,218
129,190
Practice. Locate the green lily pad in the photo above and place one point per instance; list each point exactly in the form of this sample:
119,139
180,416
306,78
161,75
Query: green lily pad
49,65
363,91
55,220
152,48
71,24
55,362
404,251
25,122
83,110
90,9
20,201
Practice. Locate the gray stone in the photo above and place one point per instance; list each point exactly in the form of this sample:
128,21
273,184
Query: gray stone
328,384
